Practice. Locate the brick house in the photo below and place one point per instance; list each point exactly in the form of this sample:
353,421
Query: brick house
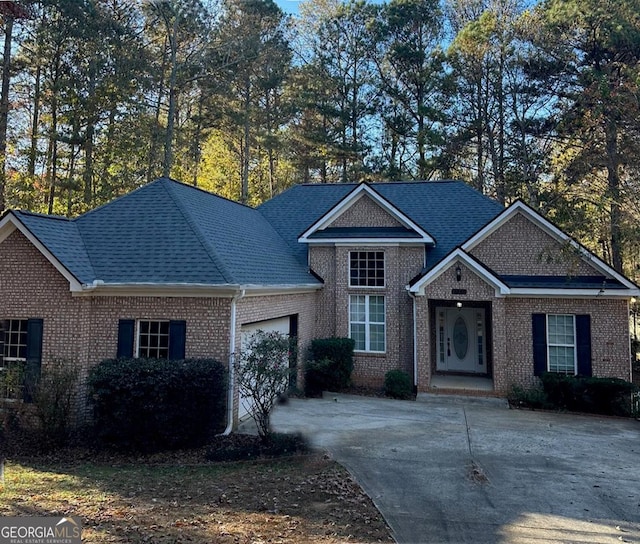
429,277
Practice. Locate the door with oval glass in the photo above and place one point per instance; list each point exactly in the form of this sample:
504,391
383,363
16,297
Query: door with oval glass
460,343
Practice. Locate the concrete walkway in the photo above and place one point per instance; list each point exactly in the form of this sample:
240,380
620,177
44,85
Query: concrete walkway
464,470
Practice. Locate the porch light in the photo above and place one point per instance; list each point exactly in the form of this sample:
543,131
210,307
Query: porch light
458,304
458,273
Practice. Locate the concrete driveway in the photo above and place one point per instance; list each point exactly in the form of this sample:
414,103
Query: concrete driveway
464,470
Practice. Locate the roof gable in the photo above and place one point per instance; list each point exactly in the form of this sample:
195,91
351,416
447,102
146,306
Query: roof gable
366,196
594,264
63,248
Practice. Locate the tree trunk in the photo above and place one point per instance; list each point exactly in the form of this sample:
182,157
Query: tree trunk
4,106
33,148
88,142
153,145
168,144
244,192
613,180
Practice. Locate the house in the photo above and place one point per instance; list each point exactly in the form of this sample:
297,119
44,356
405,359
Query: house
429,277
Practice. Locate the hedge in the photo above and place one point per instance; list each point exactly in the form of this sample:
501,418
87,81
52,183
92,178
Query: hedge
155,404
330,365
607,396
397,385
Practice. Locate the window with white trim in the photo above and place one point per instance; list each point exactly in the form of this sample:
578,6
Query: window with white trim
14,357
561,343
367,322
366,268
153,339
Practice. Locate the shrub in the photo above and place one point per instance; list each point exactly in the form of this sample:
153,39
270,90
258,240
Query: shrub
263,375
245,447
532,397
397,385
154,404
607,396
330,365
53,396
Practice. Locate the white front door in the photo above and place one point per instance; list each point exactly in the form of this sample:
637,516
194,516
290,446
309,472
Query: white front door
460,340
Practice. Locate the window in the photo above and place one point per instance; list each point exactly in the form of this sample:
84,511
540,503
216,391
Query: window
20,357
561,344
367,322
15,340
14,357
366,269
153,339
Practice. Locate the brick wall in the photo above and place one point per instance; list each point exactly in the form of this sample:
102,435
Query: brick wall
521,247
84,329
401,265
30,287
511,330
610,352
365,213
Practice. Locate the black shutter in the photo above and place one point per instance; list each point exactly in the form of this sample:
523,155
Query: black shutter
539,333
583,344
177,339
34,357
4,325
126,332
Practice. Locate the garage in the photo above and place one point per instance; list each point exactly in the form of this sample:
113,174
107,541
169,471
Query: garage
281,325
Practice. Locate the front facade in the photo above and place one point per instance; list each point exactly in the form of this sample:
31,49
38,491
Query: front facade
419,285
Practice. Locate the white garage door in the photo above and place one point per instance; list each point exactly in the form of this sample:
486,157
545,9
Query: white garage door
281,325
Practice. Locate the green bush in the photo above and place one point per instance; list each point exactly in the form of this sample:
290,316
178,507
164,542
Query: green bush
607,396
397,385
245,447
330,365
532,397
155,404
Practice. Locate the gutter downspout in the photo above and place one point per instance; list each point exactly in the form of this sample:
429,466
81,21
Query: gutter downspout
415,340
232,356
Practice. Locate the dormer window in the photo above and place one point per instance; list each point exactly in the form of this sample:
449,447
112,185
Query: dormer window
366,269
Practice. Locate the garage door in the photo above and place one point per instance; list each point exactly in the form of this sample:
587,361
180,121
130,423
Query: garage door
281,325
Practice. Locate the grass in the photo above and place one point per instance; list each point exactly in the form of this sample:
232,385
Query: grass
304,499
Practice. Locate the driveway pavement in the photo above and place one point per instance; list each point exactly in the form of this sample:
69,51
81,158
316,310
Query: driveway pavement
450,470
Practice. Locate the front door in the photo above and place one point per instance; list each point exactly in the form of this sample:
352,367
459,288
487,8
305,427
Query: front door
460,343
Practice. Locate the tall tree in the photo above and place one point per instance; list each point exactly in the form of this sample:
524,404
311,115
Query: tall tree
410,69
598,46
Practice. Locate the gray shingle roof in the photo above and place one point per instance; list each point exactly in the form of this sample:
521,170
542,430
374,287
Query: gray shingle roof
450,211
170,233
62,238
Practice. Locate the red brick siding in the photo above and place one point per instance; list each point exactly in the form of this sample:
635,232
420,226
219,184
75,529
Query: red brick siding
401,264
521,247
365,213
610,352
511,334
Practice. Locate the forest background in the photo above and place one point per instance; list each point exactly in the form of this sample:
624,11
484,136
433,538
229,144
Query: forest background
521,100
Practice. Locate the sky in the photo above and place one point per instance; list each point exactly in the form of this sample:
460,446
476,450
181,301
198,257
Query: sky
288,6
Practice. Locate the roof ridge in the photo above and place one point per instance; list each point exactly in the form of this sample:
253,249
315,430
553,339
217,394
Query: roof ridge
208,193
44,215
209,248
